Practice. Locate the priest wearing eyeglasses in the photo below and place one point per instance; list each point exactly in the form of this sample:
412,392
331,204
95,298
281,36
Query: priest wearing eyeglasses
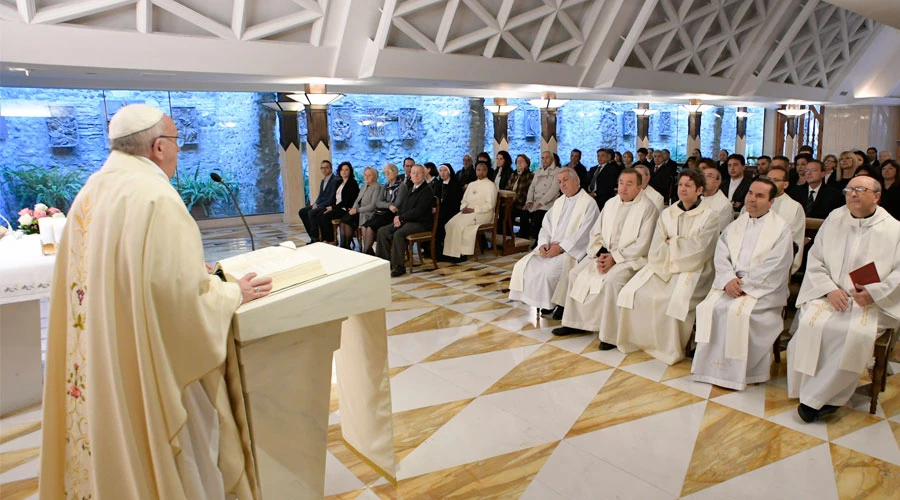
839,319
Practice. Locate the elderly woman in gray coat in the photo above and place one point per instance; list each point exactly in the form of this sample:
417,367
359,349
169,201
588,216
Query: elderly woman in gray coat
363,207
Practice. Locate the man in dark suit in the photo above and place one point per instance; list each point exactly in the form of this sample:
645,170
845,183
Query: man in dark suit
580,169
662,175
414,217
603,180
818,199
669,161
327,191
643,159
736,185
722,165
407,165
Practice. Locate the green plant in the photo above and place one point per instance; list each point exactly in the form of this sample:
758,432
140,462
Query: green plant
200,192
51,186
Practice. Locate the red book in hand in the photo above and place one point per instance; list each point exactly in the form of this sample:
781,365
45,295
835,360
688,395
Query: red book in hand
865,275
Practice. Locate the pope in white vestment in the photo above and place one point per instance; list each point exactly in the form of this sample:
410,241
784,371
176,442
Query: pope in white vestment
839,321
741,316
657,305
624,229
138,393
540,279
476,208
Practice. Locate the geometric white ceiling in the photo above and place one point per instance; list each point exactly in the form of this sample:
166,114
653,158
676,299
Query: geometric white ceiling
764,51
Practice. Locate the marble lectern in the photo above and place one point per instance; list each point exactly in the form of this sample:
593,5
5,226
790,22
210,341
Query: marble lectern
285,344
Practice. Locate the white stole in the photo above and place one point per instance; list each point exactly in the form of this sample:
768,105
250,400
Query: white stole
591,281
517,280
681,293
737,333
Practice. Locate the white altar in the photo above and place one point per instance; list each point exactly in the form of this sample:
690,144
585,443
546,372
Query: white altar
284,347
25,275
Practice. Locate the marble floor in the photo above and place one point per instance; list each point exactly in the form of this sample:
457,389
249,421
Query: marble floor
489,404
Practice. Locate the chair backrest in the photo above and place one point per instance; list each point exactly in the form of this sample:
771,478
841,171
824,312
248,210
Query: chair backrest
437,216
812,227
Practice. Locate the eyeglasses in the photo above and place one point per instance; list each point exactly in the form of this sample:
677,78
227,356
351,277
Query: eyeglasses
324,168
858,189
179,141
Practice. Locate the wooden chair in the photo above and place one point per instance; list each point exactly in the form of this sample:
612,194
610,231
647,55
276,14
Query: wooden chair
422,237
505,238
884,346
812,228
490,227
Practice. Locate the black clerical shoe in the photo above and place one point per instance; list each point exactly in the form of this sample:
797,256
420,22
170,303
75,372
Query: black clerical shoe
398,271
565,330
558,313
546,312
606,346
807,413
827,410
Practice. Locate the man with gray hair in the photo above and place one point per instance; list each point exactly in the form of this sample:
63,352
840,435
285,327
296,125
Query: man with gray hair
135,397
540,279
655,198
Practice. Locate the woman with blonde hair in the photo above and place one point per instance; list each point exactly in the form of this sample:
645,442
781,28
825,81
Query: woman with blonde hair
386,207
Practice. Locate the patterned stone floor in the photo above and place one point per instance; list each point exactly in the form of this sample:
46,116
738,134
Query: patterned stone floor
488,404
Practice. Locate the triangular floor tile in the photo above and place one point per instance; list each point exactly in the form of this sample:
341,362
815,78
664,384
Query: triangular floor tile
895,427
487,338
547,364
486,316
414,347
402,302
635,358
12,459
612,357
23,488
477,372
847,421
438,318
731,443
861,476
653,369
751,400
572,343
626,397
678,370
338,478
791,420
413,427
656,449
396,318
875,440
503,476
687,384
465,307
773,480
349,459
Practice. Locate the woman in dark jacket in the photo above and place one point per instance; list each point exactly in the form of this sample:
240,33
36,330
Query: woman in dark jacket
344,197
504,170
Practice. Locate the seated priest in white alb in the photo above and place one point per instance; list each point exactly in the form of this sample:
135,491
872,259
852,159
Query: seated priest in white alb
540,279
741,317
839,318
651,194
714,197
789,210
476,208
656,307
620,240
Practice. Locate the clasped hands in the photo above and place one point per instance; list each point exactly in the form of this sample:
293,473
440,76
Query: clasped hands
840,301
605,262
550,250
468,210
733,288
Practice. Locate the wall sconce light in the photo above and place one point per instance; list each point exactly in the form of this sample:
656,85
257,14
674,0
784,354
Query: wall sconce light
500,106
792,110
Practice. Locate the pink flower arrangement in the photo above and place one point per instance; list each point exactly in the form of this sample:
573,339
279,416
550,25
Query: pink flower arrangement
28,218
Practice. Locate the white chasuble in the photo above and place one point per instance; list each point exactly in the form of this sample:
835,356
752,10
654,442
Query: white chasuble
657,305
793,214
830,349
141,373
543,282
735,336
625,230
480,196
722,208
655,198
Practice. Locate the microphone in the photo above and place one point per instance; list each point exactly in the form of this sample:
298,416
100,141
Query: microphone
218,178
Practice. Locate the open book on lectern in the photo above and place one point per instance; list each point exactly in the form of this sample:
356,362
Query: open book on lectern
287,266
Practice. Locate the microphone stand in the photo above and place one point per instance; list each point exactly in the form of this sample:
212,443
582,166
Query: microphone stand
218,178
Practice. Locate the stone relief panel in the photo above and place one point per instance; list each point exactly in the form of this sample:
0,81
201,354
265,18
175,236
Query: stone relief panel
62,127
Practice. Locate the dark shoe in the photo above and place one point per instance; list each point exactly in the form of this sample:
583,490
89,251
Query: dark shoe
606,346
546,312
827,410
558,313
399,271
565,330
807,413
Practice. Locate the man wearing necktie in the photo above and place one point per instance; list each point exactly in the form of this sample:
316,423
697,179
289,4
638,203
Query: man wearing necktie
818,200
604,177
327,192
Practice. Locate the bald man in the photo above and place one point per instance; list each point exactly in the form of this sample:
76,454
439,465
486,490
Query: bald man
135,399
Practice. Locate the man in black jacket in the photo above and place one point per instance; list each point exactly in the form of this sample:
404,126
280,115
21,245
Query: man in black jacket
580,169
662,175
736,185
603,180
818,199
327,192
415,216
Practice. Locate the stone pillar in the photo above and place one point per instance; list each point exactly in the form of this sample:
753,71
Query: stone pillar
790,137
643,127
740,142
476,129
693,141
291,166
501,128
318,145
548,130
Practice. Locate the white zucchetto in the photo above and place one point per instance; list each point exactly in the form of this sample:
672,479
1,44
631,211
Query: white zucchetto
132,119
